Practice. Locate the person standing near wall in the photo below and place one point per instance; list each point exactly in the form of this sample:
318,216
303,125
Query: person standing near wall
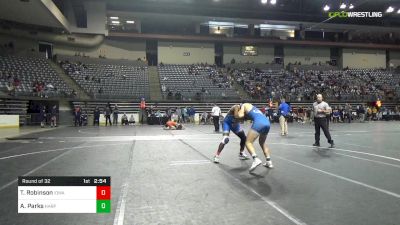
321,113
115,114
53,118
77,115
215,113
348,111
42,116
107,114
142,110
96,116
178,112
284,110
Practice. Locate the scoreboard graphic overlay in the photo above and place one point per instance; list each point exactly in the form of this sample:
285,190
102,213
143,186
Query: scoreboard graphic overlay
64,194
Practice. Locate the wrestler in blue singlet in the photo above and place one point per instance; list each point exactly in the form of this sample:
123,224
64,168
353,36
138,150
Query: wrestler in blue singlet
229,124
261,123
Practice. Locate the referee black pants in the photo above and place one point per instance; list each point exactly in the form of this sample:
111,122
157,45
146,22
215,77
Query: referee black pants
216,123
322,123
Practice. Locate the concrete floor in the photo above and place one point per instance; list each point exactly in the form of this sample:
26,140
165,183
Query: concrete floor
167,177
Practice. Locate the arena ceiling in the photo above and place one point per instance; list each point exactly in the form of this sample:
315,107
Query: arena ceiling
34,12
284,10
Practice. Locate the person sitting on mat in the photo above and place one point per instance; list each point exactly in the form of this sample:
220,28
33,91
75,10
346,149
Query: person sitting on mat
172,125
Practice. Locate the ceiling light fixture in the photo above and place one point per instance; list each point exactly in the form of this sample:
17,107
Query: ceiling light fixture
351,6
115,22
130,21
343,5
326,7
114,17
390,9
264,1
273,2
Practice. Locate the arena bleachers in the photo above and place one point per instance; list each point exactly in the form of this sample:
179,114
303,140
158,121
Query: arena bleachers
195,81
27,76
383,81
109,79
337,85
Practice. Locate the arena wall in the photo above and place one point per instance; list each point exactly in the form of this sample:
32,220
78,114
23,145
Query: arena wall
305,55
112,49
363,58
265,54
20,44
185,53
394,58
96,17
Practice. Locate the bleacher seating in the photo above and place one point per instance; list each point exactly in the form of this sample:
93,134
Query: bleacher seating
192,81
29,70
383,82
107,80
301,85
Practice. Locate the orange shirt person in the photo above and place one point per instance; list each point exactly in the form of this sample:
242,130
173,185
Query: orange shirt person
172,125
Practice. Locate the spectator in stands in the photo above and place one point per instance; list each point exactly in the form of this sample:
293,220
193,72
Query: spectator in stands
178,95
115,114
74,94
96,116
124,120
10,88
170,94
215,113
107,114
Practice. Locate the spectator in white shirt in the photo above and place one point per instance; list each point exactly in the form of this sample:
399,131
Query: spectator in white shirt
215,113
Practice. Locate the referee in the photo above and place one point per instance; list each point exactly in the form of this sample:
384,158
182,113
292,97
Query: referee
321,113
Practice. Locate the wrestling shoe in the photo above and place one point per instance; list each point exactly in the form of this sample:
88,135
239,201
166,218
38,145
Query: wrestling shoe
316,145
332,145
268,164
255,163
243,156
216,159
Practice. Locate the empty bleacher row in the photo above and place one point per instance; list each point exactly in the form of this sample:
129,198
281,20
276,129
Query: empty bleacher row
28,76
198,82
109,79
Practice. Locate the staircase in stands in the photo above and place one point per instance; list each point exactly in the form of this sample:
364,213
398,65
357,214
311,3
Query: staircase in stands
154,82
81,94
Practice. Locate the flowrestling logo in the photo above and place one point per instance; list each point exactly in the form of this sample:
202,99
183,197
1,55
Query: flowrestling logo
355,14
